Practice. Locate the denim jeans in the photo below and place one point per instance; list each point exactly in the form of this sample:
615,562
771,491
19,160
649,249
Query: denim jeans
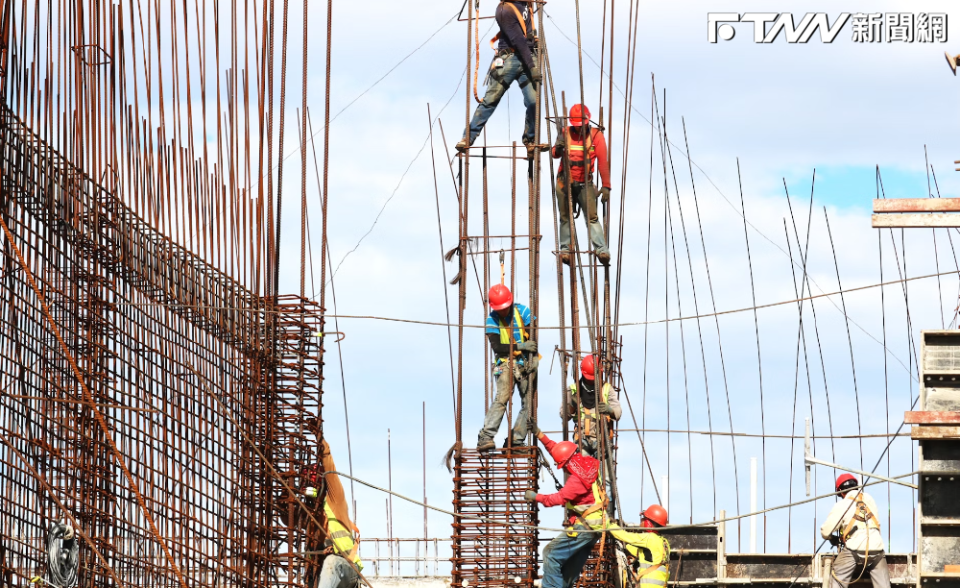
491,422
500,80
565,556
585,194
337,572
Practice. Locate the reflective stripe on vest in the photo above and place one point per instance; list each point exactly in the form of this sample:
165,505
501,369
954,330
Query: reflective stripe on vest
341,537
505,331
653,574
594,514
577,152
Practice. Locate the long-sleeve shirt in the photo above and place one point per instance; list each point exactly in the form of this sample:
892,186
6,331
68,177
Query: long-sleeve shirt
613,401
574,490
511,33
578,173
864,537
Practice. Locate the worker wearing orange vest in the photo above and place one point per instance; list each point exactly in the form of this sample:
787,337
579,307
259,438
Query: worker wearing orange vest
586,151
854,520
586,406
508,329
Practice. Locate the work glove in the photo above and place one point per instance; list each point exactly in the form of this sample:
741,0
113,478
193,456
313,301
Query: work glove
530,496
530,346
310,492
604,408
604,195
535,74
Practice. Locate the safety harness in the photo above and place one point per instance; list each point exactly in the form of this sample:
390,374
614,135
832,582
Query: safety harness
523,25
862,514
589,416
637,576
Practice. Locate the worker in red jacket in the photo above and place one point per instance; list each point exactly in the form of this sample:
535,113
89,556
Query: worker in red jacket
585,500
586,151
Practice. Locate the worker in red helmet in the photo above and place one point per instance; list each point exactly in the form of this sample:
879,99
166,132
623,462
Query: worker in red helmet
853,526
515,60
515,365
583,496
585,406
648,552
586,149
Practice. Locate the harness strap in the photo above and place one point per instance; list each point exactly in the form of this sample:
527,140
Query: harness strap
523,25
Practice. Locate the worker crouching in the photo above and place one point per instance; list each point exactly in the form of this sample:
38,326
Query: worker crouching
648,553
583,496
853,526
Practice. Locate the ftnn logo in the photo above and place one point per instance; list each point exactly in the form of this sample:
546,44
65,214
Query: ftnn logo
903,27
782,22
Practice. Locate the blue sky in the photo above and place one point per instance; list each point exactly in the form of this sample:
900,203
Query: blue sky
783,110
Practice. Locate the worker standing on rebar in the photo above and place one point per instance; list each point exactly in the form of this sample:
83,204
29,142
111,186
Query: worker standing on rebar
585,500
591,407
853,526
585,151
515,60
507,328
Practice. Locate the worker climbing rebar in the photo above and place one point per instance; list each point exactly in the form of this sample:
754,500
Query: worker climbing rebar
515,60
507,328
584,497
339,537
591,407
853,527
586,150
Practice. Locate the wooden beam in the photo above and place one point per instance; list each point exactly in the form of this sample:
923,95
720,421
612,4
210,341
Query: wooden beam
915,220
916,205
918,417
921,432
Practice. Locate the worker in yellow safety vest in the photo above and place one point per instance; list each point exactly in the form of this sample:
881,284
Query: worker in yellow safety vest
508,329
853,525
648,553
585,406
341,538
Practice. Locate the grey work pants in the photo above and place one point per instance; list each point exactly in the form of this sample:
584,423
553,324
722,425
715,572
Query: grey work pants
337,572
521,381
848,565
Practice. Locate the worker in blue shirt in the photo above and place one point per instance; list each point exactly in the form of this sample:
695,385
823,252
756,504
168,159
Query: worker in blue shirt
515,60
508,324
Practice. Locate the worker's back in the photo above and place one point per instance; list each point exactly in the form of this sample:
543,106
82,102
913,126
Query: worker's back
863,535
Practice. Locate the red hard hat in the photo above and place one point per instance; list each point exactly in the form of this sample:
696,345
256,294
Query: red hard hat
657,514
579,114
500,297
562,452
844,479
588,368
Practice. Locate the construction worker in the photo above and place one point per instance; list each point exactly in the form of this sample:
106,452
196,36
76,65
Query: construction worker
648,553
583,151
853,525
583,496
507,328
608,404
515,60
340,537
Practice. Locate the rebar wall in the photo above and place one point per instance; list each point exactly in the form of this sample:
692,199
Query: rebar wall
157,392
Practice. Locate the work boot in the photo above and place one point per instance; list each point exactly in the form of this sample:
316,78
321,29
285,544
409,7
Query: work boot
565,258
604,257
462,145
506,443
486,445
